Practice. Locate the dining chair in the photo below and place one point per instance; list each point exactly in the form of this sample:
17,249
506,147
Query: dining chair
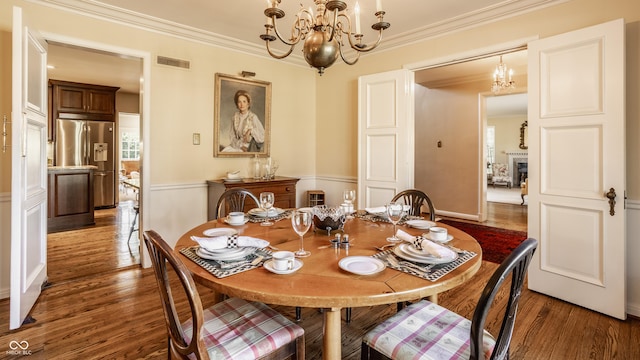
425,330
233,200
415,198
231,329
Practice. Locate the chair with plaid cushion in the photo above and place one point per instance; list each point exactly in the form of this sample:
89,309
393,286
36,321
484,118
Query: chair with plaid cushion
425,330
231,329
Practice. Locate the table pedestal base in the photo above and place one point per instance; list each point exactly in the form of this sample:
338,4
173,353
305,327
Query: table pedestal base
332,340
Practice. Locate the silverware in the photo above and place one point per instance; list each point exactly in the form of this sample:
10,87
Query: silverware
273,247
394,262
257,260
383,247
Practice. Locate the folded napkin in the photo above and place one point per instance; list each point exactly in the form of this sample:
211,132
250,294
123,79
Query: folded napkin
424,244
230,241
376,210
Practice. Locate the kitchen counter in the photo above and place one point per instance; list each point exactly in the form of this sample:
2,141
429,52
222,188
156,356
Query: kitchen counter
71,168
71,197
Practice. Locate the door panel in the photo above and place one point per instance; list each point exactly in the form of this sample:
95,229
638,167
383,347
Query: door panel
385,136
28,169
576,154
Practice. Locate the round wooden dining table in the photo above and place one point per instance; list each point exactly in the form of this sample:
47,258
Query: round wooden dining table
320,282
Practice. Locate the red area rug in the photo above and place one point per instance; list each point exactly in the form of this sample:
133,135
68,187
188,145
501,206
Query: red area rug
496,243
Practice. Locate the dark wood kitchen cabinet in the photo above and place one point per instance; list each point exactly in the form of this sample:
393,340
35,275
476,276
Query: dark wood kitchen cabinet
71,100
283,188
70,198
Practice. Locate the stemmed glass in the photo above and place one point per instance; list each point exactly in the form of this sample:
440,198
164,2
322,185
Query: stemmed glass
395,212
349,197
301,222
266,202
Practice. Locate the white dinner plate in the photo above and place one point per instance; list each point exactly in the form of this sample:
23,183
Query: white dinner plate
361,265
234,224
224,251
229,255
403,251
232,180
428,236
420,224
261,213
220,232
297,264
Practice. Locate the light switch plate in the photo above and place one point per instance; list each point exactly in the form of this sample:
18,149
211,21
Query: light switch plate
196,138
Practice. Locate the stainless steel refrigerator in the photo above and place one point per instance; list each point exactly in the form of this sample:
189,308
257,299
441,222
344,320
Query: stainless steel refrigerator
86,142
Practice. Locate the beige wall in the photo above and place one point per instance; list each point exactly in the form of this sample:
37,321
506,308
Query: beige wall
182,100
5,107
507,135
127,102
338,85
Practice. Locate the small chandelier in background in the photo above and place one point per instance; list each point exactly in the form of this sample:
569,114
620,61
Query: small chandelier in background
502,78
323,33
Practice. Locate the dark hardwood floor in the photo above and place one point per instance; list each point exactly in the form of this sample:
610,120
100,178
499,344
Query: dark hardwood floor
110,309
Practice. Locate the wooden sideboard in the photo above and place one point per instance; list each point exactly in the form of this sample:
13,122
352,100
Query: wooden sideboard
284,189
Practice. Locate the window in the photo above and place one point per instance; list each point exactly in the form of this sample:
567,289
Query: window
130,146
491,145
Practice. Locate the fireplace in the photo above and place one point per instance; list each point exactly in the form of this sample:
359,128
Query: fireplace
518,167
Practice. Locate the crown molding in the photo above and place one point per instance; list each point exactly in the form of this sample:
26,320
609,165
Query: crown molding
121,16
467,21
462,22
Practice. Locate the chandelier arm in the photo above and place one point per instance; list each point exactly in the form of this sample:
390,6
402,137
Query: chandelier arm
346,60
364,48
293,41
280,56
335,24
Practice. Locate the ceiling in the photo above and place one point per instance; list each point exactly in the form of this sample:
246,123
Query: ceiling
239,23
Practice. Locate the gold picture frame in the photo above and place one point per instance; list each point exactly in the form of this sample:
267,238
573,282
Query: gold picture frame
239,133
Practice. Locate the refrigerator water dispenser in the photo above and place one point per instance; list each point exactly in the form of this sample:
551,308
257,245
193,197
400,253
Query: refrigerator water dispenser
100,152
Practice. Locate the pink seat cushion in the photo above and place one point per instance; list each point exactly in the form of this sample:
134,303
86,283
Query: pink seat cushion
425,330
238,329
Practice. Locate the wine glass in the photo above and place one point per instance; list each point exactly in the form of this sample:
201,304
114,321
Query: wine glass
349,197
266,202
301,222
395,212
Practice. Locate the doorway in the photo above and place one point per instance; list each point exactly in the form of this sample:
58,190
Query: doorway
110,235
451,100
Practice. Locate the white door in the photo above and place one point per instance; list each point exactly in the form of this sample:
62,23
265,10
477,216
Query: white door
385,136
576,155
28,169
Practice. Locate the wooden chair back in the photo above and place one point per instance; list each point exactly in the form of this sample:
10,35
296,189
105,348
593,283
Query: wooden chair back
415,198
161,255
234,200
515,264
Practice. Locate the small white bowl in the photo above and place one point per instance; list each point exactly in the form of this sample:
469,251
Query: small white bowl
438,233
233,175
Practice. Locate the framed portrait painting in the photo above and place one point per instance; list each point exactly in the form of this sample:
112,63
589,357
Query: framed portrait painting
242,117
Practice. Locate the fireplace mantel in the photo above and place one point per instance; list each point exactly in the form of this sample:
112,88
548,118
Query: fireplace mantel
515,158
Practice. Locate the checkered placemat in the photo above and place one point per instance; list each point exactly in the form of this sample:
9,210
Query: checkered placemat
259,219
362,214
430,272
221,269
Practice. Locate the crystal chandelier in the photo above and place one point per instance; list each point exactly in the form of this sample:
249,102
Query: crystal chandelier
502,78
324,33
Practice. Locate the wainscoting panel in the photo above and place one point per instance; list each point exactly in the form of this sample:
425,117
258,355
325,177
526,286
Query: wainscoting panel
5,245
633,265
